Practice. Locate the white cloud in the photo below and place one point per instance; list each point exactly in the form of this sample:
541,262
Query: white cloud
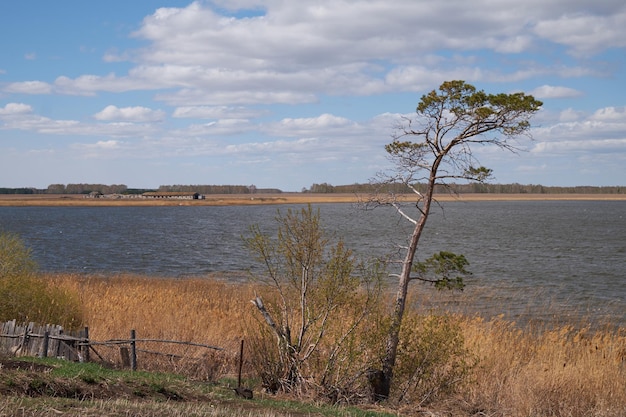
101,149
20,116
29,87
90,84
570,115
12,109
549,91
30,56
217,112
107,144
323,121
293,52
198,97
602,132
218,128
611,114
595,146
306,81
132,114
584,33
312,126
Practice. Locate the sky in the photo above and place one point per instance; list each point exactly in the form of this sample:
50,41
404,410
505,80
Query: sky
285,94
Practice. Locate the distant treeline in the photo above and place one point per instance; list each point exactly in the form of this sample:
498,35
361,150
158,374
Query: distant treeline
123,189
75,189
466,188
19,191
318,188
219,189
86,189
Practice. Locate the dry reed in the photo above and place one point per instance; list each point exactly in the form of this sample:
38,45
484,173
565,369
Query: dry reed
203,311
561,370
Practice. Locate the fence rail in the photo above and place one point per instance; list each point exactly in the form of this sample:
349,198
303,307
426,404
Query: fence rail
30,339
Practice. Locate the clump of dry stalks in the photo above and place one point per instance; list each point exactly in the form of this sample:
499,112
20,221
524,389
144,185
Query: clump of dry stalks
519,370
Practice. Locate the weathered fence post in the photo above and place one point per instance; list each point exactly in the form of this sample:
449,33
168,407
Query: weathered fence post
21,349
59,342
44,347
133,351
85,347
125,356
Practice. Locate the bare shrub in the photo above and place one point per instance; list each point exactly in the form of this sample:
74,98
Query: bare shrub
313,298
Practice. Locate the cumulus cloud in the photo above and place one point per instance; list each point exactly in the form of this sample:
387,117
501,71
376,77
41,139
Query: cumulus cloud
549,91
290,53
611,114
596,146
107,144
11,109
217,112
101,149
312,126
21,116
600,132
29,87
286,76
198,97
570,115
218,128
584,33
132,114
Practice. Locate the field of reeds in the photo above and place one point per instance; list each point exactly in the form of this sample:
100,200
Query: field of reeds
534,370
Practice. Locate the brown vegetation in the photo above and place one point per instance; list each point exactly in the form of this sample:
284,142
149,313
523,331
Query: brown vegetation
18,200
529,371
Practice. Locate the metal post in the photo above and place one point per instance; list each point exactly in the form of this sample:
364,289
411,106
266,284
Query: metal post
240,364
133,351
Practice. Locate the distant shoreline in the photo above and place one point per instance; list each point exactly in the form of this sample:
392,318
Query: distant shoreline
79,200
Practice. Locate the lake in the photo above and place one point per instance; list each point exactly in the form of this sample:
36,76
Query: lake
529,259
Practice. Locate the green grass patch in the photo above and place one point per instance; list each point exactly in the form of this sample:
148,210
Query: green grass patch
31,385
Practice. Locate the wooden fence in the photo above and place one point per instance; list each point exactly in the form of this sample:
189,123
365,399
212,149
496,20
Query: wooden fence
30,339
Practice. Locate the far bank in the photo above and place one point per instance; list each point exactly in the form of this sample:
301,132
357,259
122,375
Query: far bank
17,200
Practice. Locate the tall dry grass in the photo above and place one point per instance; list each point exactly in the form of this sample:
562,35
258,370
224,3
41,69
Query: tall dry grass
203,311
563,370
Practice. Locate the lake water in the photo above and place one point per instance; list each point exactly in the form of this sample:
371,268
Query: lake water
528,258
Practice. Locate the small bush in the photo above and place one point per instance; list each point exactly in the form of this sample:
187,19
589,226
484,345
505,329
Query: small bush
312,300
432,358
25,296
15,257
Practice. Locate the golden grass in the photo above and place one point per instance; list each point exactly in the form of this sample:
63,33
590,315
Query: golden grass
204,311
20,200
561,371
530,371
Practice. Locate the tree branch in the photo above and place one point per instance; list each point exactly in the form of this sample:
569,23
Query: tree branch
258,302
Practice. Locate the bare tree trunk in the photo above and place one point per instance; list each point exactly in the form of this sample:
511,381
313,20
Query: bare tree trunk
382,391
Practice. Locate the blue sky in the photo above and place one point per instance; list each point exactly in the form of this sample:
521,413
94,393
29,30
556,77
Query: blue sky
285,94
